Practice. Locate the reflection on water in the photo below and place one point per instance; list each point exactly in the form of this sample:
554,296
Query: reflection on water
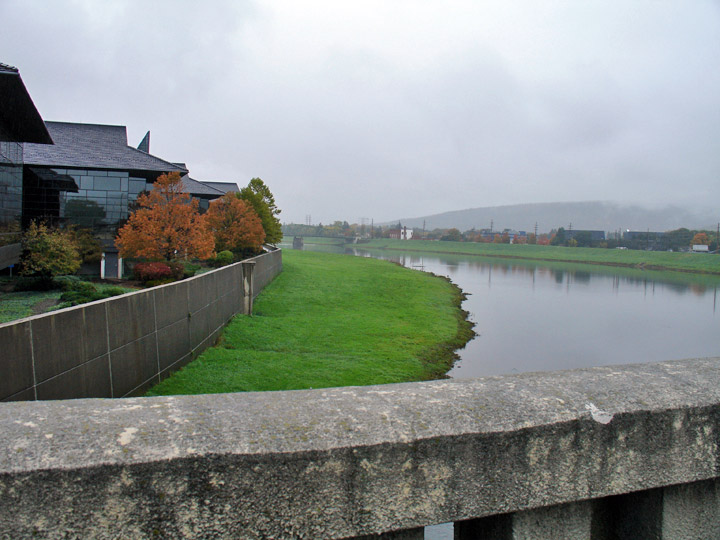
547,316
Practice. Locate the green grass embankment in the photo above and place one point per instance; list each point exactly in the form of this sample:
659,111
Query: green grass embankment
650,260
333,320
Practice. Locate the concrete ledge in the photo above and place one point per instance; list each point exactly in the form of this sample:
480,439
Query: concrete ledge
349,462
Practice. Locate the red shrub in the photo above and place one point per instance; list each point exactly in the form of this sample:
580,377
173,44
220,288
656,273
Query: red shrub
152,271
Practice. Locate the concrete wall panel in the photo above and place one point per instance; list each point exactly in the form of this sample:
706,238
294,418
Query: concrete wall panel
16,360
210,340
199,327
202,291
68,338
237,291
91,379
133,365
224,280
130,317
217,315
173,343
171,303
229,306
185,360
25,395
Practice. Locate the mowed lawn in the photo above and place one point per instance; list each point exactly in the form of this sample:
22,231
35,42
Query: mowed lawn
333,320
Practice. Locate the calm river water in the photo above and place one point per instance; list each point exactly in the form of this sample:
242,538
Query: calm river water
540,317
546,316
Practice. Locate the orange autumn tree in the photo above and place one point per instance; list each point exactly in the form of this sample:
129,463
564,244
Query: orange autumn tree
700,238
234,224
167,225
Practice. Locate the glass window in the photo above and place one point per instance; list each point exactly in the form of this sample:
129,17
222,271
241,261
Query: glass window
107,183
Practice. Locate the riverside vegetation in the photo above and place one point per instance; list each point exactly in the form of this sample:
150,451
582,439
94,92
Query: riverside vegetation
333,320
650,260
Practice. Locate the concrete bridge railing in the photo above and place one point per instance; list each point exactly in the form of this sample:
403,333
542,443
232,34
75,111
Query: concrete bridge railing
626,452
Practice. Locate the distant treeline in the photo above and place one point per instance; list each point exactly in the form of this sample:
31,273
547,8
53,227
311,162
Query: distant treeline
676,240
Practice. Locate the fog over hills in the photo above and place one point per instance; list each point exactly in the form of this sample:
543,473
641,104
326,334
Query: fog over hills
594,215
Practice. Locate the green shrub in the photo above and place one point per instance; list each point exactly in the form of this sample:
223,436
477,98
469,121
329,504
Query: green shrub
74,298
76,284
190,269
156,282
64,281
113,291
88,294
33,283
223,258
48,253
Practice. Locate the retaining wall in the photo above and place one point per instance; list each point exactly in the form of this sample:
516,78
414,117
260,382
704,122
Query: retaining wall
121,346
621,452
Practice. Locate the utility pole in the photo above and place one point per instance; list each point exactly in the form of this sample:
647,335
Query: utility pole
491,226
536,231
372,228
423,230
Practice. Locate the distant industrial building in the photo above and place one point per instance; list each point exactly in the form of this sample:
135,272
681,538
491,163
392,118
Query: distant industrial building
401,234
593,236
644,239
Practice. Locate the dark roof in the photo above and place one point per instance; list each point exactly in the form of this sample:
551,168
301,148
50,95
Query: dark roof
225,187
20,121
93,146
193,187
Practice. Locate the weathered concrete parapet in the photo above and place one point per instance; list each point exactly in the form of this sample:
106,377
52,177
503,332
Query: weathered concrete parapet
349,462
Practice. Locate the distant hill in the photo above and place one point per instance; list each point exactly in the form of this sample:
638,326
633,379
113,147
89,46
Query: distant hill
593,215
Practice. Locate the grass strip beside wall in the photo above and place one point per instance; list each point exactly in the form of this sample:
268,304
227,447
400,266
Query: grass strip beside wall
333,320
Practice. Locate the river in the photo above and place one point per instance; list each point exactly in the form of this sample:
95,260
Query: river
538,316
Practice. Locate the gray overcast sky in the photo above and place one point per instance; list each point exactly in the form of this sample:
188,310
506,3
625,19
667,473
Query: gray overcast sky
387,109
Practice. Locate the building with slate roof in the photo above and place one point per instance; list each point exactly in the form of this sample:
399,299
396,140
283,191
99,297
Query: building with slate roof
19,122
70,173
205,192
90,176
224,187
